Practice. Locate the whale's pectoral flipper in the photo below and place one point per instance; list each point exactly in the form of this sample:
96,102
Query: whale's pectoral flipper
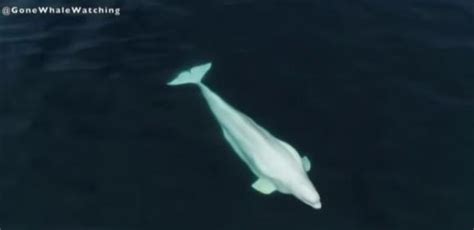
264,186
306,163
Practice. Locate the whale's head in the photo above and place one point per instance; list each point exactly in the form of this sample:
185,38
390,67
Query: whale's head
309,196
305,191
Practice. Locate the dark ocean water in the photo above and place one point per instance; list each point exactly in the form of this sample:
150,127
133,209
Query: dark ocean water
378,94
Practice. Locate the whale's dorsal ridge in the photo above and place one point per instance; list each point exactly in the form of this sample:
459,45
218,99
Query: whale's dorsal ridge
290,149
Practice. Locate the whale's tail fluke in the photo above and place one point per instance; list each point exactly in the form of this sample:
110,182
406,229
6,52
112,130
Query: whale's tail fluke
194,75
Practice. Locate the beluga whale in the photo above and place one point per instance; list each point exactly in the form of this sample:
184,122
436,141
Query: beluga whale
275,163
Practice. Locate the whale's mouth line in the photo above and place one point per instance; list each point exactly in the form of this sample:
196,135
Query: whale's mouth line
313,203
317,205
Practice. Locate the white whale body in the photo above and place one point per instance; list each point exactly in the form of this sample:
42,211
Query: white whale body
277,165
